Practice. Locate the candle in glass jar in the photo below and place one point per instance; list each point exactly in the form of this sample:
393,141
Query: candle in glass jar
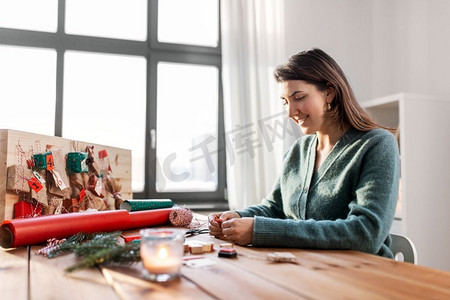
161,253
160,262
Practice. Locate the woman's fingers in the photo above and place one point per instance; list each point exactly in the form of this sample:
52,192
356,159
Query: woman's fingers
213,219
217,223
238,231
214,226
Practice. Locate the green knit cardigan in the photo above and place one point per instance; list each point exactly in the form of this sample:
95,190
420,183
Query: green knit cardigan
348,203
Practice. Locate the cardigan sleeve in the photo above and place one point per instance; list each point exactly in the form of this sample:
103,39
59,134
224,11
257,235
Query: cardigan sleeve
370,212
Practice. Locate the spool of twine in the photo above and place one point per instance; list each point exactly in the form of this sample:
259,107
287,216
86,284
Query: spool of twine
181,217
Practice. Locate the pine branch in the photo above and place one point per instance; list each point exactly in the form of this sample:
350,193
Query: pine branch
120,254
97,249
97,243
68,246
75,241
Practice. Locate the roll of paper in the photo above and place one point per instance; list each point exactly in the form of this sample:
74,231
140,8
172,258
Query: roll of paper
22,232
145,204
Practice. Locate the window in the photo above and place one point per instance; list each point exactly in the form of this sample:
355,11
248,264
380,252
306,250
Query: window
120,81
184,90
31,108
194,15
144,70
35,15
123,19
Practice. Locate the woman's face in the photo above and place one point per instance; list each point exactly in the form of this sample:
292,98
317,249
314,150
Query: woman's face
307,105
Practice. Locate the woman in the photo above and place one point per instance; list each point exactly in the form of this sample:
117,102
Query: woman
339,183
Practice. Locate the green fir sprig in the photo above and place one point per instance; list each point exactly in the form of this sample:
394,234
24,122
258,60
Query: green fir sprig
68,246
96,243
119,254
97,249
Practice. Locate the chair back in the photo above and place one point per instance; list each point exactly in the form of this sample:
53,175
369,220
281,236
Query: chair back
403,246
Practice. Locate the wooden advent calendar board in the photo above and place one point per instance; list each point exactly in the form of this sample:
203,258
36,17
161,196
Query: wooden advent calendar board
17,147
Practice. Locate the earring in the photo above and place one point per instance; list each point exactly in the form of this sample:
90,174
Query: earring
329,106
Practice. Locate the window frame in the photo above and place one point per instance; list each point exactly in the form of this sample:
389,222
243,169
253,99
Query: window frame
154,52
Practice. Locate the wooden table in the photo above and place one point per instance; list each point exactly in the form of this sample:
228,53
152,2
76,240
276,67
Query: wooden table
318,274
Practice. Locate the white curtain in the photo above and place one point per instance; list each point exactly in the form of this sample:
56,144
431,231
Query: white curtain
252,46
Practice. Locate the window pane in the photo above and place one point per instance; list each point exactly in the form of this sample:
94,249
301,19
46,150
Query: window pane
121,19
187,142
194,22
28,89
39,15
105,102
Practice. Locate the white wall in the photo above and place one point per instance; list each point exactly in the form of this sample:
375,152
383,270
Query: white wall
340,28
384,46
411,47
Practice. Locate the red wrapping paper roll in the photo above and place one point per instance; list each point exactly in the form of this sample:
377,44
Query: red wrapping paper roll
22,232
141,218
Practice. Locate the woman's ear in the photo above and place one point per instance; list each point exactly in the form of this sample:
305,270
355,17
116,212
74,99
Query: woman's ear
330,93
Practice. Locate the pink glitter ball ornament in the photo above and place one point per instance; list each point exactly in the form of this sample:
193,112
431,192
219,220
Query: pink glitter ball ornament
181,217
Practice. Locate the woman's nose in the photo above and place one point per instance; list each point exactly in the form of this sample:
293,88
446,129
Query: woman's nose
293,111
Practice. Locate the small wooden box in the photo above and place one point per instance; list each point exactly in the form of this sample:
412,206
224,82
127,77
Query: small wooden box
16,147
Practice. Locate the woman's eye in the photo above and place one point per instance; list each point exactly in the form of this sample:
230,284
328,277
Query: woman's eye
300,98
285,102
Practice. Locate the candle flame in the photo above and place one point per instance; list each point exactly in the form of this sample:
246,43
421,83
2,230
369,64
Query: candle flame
163,253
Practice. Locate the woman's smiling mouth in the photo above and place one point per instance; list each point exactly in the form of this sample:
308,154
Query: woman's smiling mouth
299,120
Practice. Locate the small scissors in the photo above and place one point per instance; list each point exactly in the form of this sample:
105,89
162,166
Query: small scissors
196,231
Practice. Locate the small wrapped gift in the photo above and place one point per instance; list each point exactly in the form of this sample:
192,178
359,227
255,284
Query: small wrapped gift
58,181
17,178
78,181
73,205
94,202
76,162
95,185
57,186
69,206
43,161
24,209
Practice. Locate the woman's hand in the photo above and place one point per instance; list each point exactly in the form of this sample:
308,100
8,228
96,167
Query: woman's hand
238,231
216,221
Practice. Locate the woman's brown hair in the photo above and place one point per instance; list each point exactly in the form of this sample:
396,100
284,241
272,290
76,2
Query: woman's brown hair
316,67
